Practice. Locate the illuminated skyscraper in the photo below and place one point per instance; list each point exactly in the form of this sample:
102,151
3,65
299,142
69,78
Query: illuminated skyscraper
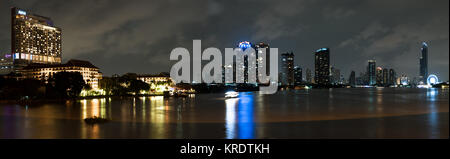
424,63
385,76
34,39
392,77
298,75
259,48
371,72
244,46
287,69
258,63
322,66
379,73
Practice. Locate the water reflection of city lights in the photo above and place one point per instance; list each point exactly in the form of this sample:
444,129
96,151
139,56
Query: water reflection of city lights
245,116
84,108
239,117
230,118
157,109
94,108
158,116
432,94
144,112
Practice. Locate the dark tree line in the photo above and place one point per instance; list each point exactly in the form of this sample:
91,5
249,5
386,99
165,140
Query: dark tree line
62,85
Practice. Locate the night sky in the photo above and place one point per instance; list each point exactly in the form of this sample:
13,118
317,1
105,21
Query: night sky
122,36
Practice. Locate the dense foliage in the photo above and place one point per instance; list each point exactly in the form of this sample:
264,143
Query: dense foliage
61,85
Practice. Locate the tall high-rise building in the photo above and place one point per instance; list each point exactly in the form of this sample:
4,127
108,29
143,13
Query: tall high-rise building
287,69
34,39
260,62
298,75
371,72
392,77
244,46
379,75
322,66
352,79
308,76
385,76
424,63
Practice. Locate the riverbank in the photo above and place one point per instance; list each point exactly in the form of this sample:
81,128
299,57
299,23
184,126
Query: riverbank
34,101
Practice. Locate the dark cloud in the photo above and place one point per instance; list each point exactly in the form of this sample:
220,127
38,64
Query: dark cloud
137,35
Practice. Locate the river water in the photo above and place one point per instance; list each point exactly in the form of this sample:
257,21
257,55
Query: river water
300,114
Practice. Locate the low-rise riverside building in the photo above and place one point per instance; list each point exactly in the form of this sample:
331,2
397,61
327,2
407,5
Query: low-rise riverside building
91,74
158,82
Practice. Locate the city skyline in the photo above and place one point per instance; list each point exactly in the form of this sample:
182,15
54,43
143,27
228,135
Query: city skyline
209,78
380,39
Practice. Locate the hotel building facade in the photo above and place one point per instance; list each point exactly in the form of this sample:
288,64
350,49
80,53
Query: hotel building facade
90,73
34,39
159,78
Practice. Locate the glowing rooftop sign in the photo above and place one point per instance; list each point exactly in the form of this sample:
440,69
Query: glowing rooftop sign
245,45
322,49
21,12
